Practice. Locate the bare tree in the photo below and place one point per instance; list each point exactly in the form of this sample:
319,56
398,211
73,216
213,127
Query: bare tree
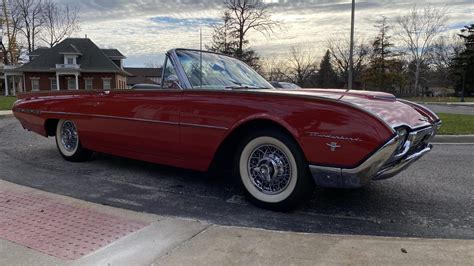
273,68
11,23
31,15
443,50
417,31
339,48
246,16
301,66
59,22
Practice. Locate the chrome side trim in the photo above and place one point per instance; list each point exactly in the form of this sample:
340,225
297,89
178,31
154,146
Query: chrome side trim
136,120
204,126
112,117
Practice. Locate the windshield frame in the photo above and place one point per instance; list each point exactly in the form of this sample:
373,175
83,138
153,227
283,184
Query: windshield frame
185,82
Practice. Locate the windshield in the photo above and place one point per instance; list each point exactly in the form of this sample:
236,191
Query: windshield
219,72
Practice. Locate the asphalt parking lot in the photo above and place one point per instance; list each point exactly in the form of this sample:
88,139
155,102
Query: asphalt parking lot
433,199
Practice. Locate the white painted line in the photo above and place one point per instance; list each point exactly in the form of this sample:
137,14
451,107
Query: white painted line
452,143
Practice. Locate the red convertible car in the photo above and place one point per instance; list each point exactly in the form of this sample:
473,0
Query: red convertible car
215,110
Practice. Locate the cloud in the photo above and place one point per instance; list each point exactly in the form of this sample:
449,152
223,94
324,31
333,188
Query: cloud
174,22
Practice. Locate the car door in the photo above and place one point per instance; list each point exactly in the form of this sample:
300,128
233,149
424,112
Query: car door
142,124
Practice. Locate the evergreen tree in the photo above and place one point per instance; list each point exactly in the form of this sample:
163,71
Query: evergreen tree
463,66
326,77
378,74
223,39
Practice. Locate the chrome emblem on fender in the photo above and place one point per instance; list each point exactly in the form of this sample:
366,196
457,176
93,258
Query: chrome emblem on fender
319,135
333,146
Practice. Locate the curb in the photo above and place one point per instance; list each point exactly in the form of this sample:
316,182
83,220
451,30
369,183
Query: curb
449,104
6,114
460,139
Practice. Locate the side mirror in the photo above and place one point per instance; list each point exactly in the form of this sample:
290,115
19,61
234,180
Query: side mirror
172,82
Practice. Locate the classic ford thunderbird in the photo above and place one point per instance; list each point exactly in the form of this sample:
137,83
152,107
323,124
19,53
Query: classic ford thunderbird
212,109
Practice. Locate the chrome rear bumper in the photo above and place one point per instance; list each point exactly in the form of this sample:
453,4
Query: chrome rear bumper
383,164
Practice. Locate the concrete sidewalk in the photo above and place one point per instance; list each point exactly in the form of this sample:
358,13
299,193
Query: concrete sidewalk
175,241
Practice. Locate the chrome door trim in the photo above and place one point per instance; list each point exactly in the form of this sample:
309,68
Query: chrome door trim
137,120
203,126
113,117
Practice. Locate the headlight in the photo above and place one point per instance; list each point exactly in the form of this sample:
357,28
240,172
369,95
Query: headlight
403,136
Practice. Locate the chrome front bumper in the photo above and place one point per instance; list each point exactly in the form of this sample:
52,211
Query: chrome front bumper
383,164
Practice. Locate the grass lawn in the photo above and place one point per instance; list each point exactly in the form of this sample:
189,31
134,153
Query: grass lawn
456,124
439,99
6,103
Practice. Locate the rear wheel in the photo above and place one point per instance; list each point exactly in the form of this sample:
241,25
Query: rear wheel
68,142
273,171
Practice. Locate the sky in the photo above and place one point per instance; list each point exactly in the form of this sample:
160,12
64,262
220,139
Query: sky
143,30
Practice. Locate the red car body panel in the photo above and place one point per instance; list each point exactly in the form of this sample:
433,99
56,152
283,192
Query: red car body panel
184,128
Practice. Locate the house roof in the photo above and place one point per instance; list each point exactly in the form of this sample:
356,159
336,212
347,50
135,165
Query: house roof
139,80
38,51
70,49
144,71
91,59
112,53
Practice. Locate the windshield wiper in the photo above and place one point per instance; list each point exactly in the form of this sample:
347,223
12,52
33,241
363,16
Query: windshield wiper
244,87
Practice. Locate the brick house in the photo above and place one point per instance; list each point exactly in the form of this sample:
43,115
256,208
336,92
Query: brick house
139,75
73,64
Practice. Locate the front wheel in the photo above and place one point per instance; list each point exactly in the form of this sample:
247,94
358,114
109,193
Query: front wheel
273,171
69,144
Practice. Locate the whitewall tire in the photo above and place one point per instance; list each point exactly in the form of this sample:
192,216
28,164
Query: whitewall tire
68,142
273,170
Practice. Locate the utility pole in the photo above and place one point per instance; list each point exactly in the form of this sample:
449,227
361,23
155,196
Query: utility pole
351,56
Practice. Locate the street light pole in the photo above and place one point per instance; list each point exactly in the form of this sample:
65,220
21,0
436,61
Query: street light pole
351,55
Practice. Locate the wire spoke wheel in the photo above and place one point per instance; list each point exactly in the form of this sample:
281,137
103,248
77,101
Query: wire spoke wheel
69,143
269,169
69,136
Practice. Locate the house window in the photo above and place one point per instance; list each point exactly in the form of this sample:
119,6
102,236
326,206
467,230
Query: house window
54,84
35,85
107,84
89,85
71,84
69,60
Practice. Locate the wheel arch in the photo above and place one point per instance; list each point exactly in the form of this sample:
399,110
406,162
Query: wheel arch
50,126
229,145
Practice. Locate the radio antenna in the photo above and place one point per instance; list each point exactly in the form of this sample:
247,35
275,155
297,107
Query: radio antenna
200,55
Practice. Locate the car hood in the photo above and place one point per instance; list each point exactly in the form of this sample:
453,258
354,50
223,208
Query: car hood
384,105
